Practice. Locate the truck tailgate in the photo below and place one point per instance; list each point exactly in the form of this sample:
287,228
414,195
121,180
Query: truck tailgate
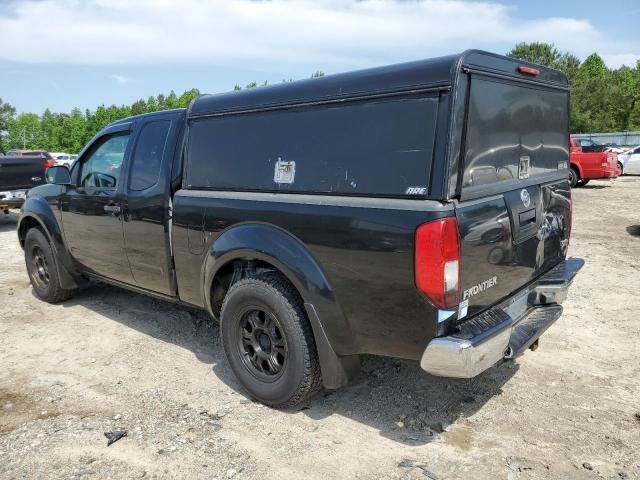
21,172
507,241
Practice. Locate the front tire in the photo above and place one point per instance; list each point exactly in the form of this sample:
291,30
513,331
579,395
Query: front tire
574,177
582,183
620,168
42,268
268,341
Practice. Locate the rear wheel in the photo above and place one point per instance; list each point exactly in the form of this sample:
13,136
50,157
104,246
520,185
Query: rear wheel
268,341
42,268
574,176
582,183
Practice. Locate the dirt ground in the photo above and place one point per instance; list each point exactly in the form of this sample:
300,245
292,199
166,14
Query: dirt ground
113,360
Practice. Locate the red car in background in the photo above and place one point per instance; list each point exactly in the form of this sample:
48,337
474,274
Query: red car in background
590,165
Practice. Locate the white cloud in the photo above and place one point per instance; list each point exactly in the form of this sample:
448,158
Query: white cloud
120,80
617,59
280,35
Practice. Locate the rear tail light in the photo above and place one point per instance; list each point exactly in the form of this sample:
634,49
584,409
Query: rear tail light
49,163
437,262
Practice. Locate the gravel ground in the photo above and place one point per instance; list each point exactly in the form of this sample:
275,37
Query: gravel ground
111,360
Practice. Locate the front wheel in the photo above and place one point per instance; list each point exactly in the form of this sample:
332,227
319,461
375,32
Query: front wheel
573,177
620,168
268,341
42,269
582,183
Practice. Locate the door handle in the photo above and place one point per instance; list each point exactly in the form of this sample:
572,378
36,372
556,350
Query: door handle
112,209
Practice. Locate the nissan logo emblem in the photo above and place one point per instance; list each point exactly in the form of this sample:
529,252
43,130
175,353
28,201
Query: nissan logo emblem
525,197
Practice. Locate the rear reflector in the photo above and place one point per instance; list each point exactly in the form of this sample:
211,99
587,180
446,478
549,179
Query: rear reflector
437,262
528,70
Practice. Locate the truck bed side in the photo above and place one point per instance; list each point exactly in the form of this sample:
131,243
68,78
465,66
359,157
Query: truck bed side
355,241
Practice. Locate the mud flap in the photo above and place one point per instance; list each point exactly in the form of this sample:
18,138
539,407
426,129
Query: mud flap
336,370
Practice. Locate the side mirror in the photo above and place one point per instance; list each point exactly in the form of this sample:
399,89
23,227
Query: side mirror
58,175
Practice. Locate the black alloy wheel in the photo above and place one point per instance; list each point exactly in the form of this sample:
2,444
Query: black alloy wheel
261,344
42,267
39,267
268,341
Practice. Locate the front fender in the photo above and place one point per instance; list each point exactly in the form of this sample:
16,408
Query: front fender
37,209
288,254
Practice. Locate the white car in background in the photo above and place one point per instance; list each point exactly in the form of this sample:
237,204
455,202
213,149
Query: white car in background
629,161
66,159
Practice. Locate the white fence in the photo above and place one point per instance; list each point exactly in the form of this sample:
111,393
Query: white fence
625,139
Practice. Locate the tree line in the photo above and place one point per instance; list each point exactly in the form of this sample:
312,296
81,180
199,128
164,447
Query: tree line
602,100
69,132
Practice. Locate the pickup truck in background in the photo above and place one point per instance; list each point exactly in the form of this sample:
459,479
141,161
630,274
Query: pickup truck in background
419,210
591,163
17,175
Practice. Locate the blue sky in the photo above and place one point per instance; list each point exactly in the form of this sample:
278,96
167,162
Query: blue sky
65,53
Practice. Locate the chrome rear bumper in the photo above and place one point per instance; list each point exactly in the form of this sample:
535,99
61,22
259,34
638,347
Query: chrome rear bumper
504,331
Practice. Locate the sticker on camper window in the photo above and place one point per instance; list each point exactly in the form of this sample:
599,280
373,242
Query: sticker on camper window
285,171
523,170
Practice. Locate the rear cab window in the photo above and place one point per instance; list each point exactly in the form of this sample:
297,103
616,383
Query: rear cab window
147,155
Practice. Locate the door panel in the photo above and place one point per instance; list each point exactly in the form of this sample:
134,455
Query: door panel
633,164
91,210
146,213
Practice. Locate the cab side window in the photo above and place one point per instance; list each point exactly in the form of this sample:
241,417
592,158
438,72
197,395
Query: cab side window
101,170
147,156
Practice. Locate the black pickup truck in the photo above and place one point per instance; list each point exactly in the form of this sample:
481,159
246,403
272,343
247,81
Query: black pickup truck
18,173
419,210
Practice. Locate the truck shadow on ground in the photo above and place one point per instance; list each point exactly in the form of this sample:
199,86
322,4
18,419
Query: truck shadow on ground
394,396
594,187
634,230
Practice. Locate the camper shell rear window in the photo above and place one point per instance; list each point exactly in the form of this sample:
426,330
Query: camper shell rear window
516,133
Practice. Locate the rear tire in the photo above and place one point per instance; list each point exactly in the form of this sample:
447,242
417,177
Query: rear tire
268,340
42,268
574,176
